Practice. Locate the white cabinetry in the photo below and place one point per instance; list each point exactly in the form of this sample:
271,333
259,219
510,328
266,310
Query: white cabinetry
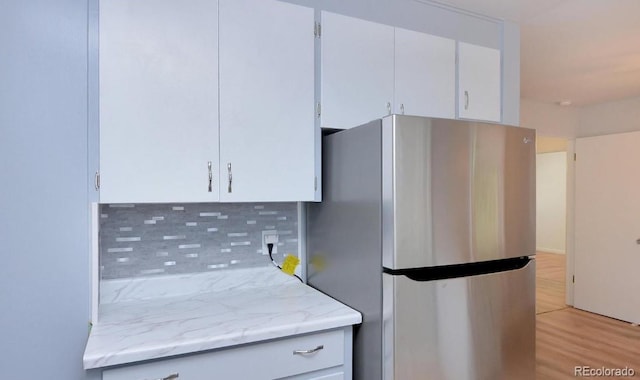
425,74
369,70
314,356
161,136
267,113
158,100
479,84
356,71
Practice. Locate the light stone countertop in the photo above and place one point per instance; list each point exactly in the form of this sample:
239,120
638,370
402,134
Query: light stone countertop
144,329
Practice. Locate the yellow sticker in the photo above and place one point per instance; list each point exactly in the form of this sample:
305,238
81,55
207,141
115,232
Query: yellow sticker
289,265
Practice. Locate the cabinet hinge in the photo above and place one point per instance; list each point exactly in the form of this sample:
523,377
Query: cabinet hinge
318,110
574,156
96,181
315,183
573,279
317,30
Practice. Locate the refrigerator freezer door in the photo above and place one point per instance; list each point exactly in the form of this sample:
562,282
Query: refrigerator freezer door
470,328
456,192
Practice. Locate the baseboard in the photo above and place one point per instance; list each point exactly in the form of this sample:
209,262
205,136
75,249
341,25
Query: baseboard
550,250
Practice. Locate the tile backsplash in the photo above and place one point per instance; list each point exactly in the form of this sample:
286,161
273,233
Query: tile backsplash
138,240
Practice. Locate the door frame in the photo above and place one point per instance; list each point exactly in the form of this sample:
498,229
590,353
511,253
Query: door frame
568,146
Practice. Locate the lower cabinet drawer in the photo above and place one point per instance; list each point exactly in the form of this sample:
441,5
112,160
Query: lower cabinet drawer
335,373
269,360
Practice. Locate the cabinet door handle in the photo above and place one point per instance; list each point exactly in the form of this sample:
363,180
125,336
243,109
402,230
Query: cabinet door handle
466,100
210,177
389,108
402,109
230,176
308,352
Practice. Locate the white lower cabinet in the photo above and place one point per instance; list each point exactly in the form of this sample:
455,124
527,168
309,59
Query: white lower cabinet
336,373
335,376
321,356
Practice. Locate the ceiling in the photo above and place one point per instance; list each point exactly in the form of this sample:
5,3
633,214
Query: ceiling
585,51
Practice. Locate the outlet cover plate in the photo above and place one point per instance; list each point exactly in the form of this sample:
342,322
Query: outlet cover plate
269,236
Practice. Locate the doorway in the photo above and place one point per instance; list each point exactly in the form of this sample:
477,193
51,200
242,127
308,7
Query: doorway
568,338
551,221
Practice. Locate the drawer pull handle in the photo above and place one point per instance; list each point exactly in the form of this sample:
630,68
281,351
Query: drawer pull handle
173,376
308,352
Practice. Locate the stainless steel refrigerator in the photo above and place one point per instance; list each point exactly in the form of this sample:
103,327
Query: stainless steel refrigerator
427,227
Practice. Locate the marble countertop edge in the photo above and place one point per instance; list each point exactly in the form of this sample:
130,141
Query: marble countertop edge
133,332
201,345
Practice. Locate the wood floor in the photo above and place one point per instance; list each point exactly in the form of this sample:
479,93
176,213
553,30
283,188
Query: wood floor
550,282
568,337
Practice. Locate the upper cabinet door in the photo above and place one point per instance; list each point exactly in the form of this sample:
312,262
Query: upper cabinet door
479,82
425,75
356,71
158,100
267,125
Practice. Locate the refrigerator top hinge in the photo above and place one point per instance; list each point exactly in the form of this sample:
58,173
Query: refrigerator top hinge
317,30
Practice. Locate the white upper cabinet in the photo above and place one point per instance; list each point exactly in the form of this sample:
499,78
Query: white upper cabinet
158,100
425,74
356,71
267,111
197,106
479,84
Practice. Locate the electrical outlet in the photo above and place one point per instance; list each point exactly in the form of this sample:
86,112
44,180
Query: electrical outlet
269,237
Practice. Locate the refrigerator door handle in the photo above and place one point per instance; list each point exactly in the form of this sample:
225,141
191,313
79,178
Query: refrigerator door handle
442,272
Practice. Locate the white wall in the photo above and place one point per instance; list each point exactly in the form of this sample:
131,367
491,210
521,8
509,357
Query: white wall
551,170
44,246
571,122
612,117
600,119
549,119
